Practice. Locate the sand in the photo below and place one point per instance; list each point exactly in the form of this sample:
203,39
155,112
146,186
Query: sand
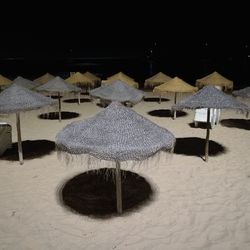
196,204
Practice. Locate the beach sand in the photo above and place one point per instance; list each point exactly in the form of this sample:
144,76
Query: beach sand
195,205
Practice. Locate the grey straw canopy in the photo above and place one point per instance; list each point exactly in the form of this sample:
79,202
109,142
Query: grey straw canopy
116,133
118,91
17,98
23,82
57,84
245,92
210,97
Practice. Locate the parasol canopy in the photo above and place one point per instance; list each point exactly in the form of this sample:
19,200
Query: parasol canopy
210,97
44,78
118,91
215,79
156,80
25,82
245,92
16,99
115,134
81,80
122,77
4,81
58,85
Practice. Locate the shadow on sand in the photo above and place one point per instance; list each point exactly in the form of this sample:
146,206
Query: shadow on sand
166,113
196,147
76,100
236,123
55,115
93,193
154,99
31,150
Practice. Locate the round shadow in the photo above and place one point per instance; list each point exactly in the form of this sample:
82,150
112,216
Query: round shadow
196,147
76,100
155,99
54,96
55,115
166,113
93,193
236,123
31,150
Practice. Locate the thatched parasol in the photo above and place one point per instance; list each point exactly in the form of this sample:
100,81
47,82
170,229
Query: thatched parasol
210,97
96,79
80,80
58,85
118,91
23,82
4,81
175,85
115,134
44,78
16,99
245,92
156,80
215,79
122,77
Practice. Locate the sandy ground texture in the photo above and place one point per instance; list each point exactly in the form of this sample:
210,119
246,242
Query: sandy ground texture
195,204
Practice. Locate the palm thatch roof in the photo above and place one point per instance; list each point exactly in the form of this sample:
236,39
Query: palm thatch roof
80,79
211,97
122,77
21,81
245,92
156,80
44,78
16,98
176,85
4,81
215,79
93,77
57,84
118,91
117,133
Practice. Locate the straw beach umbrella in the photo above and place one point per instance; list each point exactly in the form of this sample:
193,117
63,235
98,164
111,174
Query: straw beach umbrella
118,91
16,99
81,80
96,79
245,92
175,85
58,85
210,97
4,82
156,80
116,134
215,79
23,82
122,77
44,78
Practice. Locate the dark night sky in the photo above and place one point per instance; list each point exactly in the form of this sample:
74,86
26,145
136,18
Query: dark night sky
180,40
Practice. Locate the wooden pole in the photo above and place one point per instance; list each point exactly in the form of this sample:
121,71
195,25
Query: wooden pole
207,136
175,96
59,107
19,139
118,188
79,98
